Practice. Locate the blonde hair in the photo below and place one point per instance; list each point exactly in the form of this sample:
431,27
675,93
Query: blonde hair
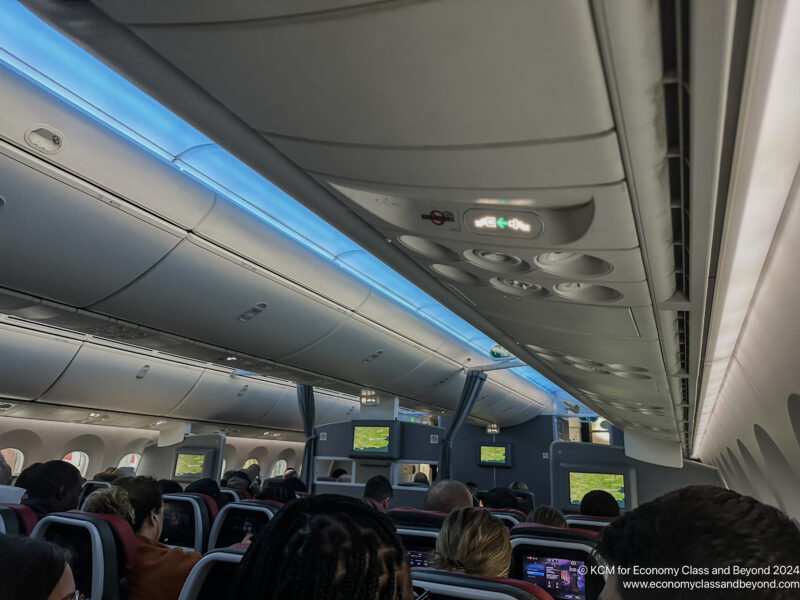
474,541
111,501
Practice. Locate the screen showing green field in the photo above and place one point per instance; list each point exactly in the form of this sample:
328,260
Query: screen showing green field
582,483
189,465
370,439
493,455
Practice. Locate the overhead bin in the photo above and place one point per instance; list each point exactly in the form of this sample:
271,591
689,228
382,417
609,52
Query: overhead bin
228,398
235,229
207,294
107,378
30,361
93,152
64,240
285,412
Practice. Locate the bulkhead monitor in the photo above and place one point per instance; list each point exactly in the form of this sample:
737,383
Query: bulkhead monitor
189,465
562,578
494,455
377,439
581,483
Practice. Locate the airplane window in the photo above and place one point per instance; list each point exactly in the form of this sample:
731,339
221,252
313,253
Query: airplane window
278,468
15,459
130,460
251,461
79,459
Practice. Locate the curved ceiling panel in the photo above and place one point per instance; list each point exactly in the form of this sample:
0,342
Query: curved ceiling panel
393,71
590,161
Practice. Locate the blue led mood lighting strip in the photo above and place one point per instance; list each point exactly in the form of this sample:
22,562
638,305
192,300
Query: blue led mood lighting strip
36,50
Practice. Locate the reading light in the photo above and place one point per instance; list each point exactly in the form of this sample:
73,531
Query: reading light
493,429
94,415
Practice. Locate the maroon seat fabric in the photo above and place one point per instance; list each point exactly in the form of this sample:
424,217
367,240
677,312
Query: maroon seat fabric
124,534
213,509
27,518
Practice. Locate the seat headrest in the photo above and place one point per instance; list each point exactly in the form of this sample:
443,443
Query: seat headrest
412,517
550,532
213,509
520,590
27,517
124,534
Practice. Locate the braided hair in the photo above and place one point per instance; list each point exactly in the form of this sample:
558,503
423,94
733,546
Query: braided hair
326,547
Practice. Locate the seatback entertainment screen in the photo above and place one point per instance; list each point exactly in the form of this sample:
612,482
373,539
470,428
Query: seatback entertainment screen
581,483
562,578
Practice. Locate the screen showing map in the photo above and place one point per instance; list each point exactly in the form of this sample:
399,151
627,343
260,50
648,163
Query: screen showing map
371,439
189,465
494,455
582,483
563,579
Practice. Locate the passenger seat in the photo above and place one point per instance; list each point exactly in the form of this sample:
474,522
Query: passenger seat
17,519
452,584
212,576
103,548
187,521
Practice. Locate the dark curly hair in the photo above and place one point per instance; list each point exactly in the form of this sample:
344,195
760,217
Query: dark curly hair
703,527
326,547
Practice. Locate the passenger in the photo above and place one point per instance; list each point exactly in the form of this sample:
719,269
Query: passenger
111,501
518,486
295,484
169,486
34,569
5,471
326,546
254,475
599,503
160,571
473,489
473,541
421,478
225,476
277,492
206,486
239,480
25,477
379,489
547,515
125,472
103,476
447,495
290,472
54,486
702,527
501,498
336,473
344,478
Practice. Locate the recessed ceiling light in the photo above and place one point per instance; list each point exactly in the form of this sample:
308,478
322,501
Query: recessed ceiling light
230,358
94,415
